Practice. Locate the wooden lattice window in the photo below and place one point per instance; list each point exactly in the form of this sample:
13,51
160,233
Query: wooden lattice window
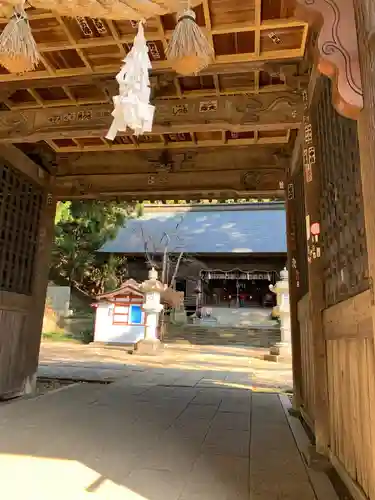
342,229
128,311
20,208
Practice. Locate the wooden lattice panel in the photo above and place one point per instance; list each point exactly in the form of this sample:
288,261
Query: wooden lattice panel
168,87
20,208
343,228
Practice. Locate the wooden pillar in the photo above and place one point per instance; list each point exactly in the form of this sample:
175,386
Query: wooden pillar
40,282
293,280
312,193
366,130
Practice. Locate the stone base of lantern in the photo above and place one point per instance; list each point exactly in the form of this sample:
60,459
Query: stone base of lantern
149,347
282,351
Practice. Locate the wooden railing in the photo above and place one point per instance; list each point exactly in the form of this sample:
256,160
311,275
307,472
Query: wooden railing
307,360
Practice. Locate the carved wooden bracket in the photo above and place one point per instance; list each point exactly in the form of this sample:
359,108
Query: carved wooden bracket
337,48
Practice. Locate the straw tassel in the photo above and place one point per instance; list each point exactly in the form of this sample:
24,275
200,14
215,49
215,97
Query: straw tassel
189,50
18,49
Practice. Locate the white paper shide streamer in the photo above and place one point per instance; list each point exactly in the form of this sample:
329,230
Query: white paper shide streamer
132,108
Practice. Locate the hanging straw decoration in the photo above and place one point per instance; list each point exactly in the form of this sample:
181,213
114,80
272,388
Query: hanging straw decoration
18,49
189,50
132,105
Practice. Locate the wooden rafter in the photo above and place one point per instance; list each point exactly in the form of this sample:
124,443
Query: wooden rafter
87,144
93,52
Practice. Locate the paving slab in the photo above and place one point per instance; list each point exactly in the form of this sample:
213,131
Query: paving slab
143,437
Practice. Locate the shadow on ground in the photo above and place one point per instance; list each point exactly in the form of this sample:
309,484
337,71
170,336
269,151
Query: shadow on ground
155,433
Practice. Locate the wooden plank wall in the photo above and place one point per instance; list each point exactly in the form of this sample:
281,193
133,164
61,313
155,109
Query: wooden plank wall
12,327
351,385
13,314
307,359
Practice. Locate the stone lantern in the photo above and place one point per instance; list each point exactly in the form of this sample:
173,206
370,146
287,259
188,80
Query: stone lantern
281,289
152,289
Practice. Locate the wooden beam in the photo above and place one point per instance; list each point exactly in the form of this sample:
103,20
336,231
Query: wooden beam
98,78
164,144
177,194
338,324
258,22
208,161
23,163
166,195
277,111
238,181
11,301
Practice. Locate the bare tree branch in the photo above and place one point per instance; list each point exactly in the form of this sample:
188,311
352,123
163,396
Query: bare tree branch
176,270
145,246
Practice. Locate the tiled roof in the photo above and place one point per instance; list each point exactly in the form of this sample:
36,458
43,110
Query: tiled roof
246,228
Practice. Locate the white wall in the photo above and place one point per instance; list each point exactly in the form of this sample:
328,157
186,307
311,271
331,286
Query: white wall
106,332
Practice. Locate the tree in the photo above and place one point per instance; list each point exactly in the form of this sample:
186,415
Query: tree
81,228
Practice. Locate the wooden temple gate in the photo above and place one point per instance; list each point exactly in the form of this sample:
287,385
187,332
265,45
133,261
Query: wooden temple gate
304,130
331,238
329,267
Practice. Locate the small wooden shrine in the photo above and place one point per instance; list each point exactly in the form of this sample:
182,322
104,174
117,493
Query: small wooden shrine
120,318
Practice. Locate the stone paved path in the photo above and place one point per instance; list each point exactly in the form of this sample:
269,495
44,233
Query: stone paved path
235,366
156,433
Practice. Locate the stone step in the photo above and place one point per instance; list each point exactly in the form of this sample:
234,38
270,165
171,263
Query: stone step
253,337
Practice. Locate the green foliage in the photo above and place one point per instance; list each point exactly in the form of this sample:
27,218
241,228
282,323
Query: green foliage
82,227
58,337
83,337
86,336
208,201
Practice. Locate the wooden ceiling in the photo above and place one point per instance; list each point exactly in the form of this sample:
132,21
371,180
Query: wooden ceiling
239,31
250,97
